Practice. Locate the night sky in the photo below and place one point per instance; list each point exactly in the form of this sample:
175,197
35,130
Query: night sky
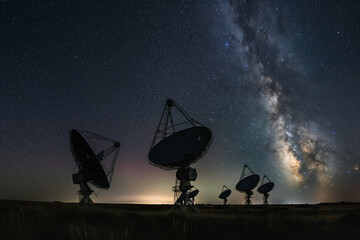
277,83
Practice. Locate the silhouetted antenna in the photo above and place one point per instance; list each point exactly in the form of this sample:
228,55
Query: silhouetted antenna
225,193
265,187
177,145
193,194
95,166
247,183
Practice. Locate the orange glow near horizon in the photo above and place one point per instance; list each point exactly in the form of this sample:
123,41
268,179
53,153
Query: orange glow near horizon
147,199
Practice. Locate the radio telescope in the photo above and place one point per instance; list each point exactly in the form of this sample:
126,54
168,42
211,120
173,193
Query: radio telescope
225,193
95,166
247,183
177,145
192,195
265,188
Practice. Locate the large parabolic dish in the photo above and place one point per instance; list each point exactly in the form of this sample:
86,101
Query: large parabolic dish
266,187
89,163
178,144
175,146
247,182
225,194
182,148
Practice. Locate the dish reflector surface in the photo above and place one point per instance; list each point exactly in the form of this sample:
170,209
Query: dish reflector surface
87,161
193,193
182,148
225,194
265,188
248,183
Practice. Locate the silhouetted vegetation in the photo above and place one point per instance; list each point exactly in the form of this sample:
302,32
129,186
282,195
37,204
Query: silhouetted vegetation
33,220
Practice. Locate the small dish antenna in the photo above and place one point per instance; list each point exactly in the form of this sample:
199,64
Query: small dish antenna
265,187
225,193
177,145
247,183
193,194
95,166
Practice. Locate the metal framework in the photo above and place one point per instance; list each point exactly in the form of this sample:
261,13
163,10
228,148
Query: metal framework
84,195
222,190
249,193
85,190
115,147
166,124
181,197
167,127
265,199
243,173
265,195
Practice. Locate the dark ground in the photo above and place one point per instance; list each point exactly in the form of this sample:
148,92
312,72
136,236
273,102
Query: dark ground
40,220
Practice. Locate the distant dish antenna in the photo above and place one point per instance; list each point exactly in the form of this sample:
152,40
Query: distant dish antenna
247,183
265,187
95,166
225,193
192,195
177,145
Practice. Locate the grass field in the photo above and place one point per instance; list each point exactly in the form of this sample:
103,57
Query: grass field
36,220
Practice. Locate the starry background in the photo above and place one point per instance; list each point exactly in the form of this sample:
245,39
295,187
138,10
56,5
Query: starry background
277,83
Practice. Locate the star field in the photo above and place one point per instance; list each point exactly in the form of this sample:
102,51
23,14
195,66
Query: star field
277,83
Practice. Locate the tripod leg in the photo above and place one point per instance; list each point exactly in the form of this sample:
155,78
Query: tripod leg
195,208
183,203
176,203
190,202
87,202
